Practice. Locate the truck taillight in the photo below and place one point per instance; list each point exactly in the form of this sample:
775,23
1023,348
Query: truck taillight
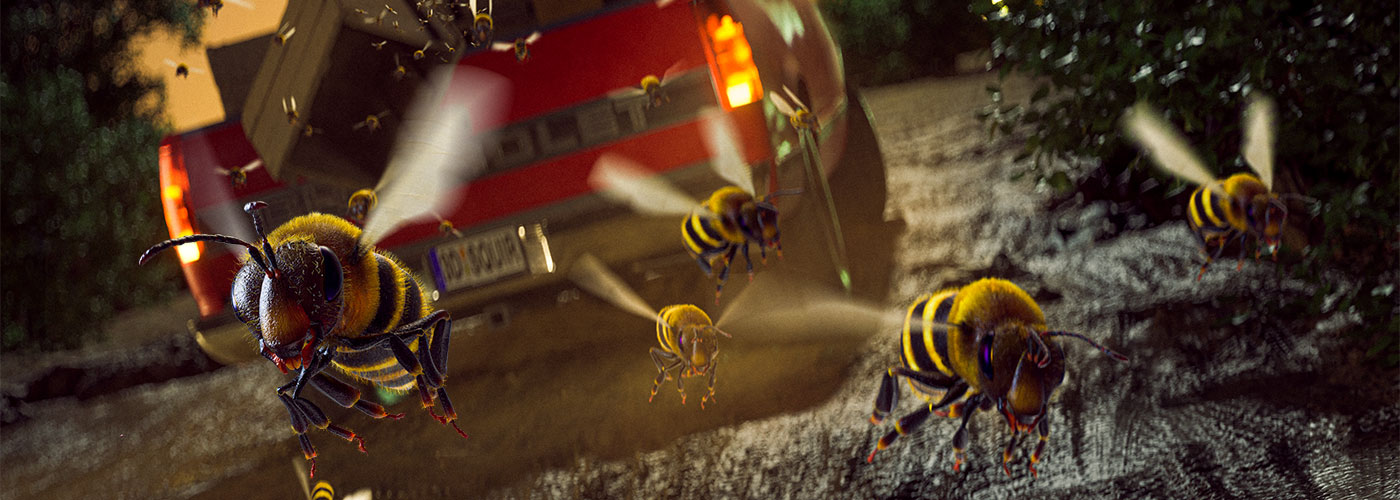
732,59
174,183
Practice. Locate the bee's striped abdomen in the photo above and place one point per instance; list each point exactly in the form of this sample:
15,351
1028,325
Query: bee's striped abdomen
924,341
400,302
667,337
1209,211
701,235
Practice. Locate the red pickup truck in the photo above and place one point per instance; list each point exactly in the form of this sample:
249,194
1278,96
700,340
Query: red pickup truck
524,219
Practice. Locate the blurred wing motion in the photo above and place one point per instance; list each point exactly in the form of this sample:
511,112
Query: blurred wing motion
437,148
623,181
590,274
252,165
788,105
1259,122
531,39
671,72
247,4
788,308
502,46
1166,146
726,156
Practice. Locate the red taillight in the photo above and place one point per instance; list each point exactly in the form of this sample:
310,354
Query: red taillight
732,62
174,183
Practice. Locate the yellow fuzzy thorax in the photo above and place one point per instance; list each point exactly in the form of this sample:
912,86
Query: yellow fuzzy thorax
1241,189
986,303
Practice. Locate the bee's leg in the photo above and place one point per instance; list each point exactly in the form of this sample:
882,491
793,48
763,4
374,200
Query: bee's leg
348,396
305,414
749,263
724,272
1006,453
960,437
1218,240
1240,240
448,412
1044,431
704,261
885,399
710,395
665,362
905,425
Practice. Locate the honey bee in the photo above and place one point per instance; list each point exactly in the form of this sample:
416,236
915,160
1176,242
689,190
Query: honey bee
289,106
323,489
713,231
801,118
183,70
419,54
284,33
316,293
400,71
653,87
1221,209
379,45
521,46
689,340
986,341
372,122
483,28
361,202
378,19
216,5
238,176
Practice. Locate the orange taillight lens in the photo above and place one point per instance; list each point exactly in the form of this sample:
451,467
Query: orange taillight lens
737,76
174,183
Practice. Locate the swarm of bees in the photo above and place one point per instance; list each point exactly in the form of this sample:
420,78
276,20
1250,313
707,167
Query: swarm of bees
316,293
983,346
1227,209
715,230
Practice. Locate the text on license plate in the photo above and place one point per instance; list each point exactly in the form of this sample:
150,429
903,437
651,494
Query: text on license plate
477,259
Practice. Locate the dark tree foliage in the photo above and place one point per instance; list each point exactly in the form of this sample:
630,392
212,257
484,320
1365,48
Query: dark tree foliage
79,177
885,41
1331,67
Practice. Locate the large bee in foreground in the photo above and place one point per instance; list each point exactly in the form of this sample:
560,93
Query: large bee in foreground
315,292
689,340
714,230
1221,209
986,341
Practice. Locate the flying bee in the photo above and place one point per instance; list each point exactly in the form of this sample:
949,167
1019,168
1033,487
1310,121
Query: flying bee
316,293
714,230
689,341
183,70
372,122
986,341
379,45
797,112
521,46
420,53
653,87
377,20
238,176
216,5
289,106
284,33
361,202
400,71
1221,209
483,28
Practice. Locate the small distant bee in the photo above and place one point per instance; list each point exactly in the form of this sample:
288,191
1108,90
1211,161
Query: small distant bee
216,5
521,46
183,70
420,53
1221,209
377,20
689,341
797,112
732,218
446,227
284,33
379,45
361,202
652,87
372,121
988,338
238,176
483,28
316,293
289,106
309,131
400,71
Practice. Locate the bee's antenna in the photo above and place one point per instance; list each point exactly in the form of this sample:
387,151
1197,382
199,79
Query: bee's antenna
252,250
254,209
1100,347
782,192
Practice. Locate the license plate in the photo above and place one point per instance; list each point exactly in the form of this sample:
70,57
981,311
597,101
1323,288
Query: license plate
477,259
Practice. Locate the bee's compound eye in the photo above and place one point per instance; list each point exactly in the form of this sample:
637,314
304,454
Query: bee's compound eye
330,270
984,358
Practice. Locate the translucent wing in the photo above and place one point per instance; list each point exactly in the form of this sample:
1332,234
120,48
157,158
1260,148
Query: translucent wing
590,274
726,156
472,5
1165,145
781,103
172,64
796,103
437,148
252,165
623,181
242,3
360,494
625,93
1259,122
502,46
533,36
671,72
